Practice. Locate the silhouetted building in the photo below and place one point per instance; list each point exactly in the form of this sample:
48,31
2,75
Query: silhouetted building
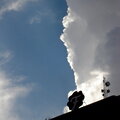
103,109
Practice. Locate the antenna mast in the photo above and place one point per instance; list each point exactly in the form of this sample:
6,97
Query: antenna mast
105,89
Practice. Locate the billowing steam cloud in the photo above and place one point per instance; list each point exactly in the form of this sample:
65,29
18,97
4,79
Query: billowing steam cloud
92,37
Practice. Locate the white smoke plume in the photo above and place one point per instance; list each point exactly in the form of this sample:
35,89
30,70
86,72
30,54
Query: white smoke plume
92,37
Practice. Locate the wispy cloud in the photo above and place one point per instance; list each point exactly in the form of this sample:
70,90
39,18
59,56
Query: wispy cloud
5,57
10,90
41,15
36,19
9,93
12,5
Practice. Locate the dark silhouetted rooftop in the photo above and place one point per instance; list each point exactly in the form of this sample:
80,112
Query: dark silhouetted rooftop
103,109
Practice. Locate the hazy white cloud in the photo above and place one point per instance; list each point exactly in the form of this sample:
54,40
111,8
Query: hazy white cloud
10,90
41,15
5,57
9,93
86,29
35,19
12,5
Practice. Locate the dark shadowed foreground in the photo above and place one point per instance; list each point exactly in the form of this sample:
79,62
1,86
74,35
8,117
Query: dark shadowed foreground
102,109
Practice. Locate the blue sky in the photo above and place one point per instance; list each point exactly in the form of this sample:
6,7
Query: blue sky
35,66
33,56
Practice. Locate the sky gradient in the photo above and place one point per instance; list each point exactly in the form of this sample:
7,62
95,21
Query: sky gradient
49,48
35,75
